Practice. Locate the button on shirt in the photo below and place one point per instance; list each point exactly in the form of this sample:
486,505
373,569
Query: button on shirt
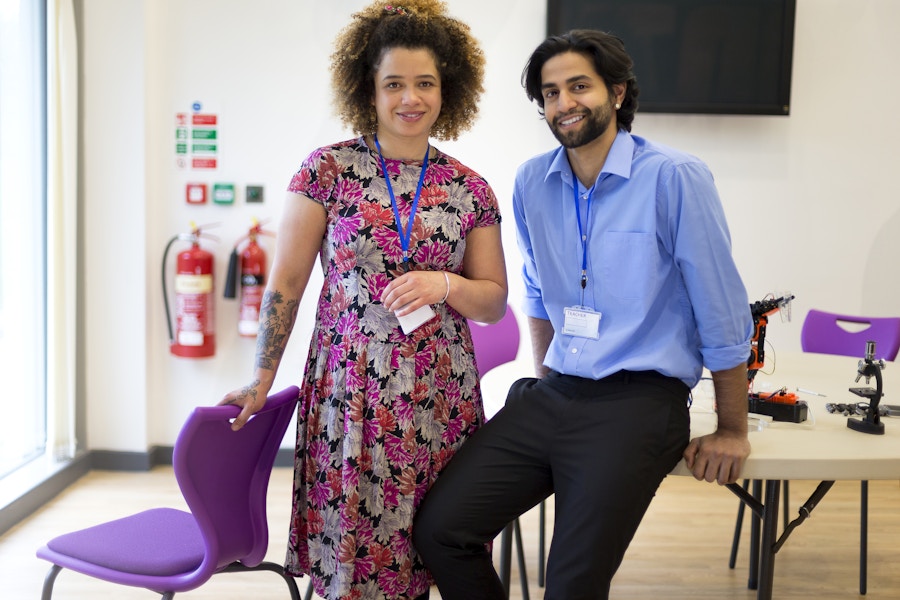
659,264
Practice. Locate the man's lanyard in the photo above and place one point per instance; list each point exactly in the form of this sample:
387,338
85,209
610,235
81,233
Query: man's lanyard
581,230
406,233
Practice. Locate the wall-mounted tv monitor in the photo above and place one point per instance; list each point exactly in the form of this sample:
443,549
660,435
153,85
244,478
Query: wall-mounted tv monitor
697,56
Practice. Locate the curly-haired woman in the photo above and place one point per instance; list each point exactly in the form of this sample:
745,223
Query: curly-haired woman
409,242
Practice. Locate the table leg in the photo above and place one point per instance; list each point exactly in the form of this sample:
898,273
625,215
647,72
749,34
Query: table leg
767,544
753,560
863,537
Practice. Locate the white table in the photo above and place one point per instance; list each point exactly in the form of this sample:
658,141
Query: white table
822,448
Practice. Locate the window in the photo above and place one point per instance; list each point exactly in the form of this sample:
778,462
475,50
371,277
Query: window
23,192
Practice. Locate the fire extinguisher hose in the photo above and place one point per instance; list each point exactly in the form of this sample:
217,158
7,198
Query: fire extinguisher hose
164,290
233,273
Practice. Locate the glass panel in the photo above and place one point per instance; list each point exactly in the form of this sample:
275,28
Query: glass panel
22,211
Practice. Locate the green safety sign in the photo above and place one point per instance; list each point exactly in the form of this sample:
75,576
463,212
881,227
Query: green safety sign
204,134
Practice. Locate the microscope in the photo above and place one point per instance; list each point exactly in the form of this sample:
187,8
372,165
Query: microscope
868,368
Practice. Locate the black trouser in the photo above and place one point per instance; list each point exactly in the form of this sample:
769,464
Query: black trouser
602,447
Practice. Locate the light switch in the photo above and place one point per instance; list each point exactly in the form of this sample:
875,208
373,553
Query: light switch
254,193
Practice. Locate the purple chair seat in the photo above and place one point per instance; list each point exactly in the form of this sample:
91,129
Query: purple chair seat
160,542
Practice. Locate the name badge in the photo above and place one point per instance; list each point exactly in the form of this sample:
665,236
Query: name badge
581,321
412,321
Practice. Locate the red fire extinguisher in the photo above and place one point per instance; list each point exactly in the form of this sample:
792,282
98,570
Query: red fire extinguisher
250,268
194,335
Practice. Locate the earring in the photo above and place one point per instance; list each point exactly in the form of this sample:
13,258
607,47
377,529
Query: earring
618,106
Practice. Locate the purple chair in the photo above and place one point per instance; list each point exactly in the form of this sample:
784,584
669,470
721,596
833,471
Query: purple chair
224,477
497,344
828,333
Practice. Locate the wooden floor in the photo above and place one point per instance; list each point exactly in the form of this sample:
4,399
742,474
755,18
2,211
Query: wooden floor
680,552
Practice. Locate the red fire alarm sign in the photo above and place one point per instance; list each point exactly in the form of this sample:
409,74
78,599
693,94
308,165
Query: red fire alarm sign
196,193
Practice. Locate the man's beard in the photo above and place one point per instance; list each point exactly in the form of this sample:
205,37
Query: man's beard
595,123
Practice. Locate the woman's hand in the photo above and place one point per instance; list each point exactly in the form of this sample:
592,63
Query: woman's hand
415,289
250,398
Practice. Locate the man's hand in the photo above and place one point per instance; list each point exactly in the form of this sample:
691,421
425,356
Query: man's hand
718,456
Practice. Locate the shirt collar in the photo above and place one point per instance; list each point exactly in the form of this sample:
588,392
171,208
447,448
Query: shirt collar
618,161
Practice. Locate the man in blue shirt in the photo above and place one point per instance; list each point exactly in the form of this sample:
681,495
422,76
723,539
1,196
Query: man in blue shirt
630,291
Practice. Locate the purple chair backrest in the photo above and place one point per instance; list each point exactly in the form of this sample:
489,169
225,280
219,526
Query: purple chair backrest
224,475
823,333
495,343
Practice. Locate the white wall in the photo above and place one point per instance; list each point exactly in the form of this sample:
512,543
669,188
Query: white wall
117,283
809,197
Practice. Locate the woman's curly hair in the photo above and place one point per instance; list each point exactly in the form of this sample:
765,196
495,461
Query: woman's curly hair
412,24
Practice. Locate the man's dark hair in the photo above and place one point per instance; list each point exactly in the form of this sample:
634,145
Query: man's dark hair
604,50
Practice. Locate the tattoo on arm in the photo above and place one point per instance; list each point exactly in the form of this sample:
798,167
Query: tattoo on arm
277,317
247,392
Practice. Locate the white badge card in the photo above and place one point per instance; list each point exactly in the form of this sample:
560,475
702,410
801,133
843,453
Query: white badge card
582,322
410,322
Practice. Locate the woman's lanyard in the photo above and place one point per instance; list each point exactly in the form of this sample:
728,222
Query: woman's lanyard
581,232
406,233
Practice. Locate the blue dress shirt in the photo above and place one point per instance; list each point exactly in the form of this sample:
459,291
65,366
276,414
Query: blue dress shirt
658,263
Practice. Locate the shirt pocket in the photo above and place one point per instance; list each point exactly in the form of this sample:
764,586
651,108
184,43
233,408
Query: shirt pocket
628,264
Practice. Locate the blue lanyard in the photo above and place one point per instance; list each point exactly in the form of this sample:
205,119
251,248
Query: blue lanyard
581,232
406,233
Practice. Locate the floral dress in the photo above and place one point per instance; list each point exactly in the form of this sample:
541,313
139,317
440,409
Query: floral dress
382,412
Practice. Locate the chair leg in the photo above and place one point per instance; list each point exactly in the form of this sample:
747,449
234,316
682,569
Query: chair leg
863,536
737,529
506,543
238,567
292,586
523,575
542,519
309,591
288,579
48,582
505,557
